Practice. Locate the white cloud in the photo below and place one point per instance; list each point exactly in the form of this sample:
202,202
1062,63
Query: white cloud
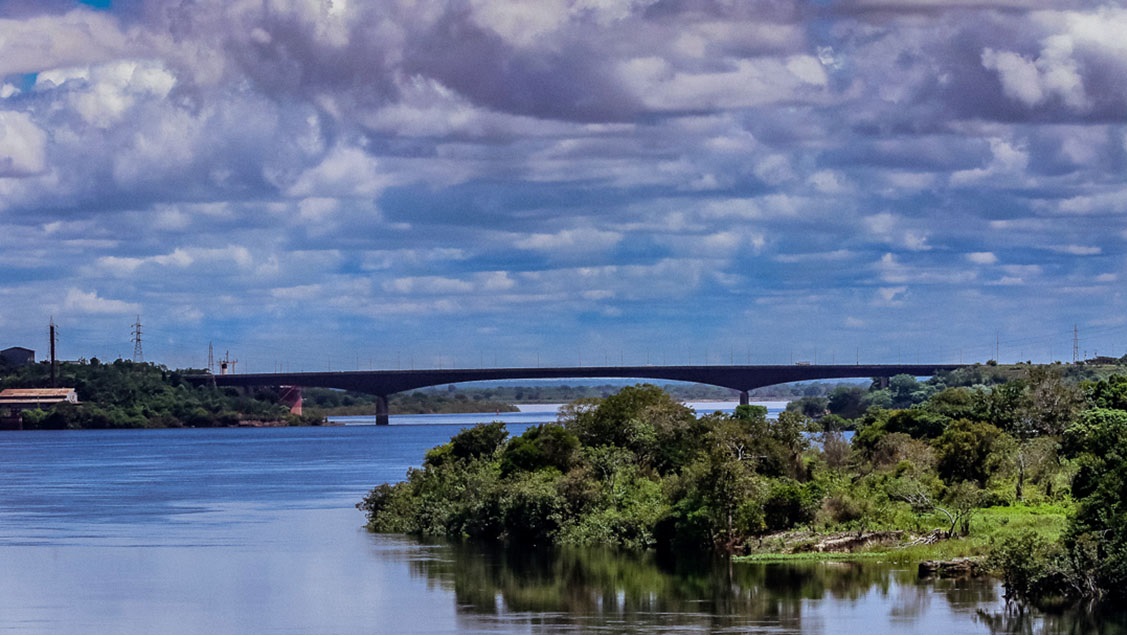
891,296
829,182
412,258
346,172
571,241
46,42
739,84
774,169
889,228
103,94
23,146
831,256
317,209
1007,160
1077,250
479,283
1098,203
81,302
982,258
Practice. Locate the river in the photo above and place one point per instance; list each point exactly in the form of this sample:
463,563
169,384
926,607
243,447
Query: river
255,531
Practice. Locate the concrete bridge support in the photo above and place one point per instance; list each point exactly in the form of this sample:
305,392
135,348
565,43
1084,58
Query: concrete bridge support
745,399
382,416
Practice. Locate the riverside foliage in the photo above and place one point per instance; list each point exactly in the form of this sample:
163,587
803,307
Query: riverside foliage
126,394
942,459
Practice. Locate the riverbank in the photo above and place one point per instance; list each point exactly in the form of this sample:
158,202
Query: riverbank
989,527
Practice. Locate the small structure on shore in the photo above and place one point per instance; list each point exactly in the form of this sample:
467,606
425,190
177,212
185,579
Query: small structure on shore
13,402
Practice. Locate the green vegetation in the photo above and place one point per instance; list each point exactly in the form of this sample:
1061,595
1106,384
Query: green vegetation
326,402
125,394
476,397
1025,465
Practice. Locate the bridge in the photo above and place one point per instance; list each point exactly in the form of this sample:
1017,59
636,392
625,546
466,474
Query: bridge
742,378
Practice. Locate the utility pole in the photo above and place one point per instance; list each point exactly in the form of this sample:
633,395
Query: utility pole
138,354
54,339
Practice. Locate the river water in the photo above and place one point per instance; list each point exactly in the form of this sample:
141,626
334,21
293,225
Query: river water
255,531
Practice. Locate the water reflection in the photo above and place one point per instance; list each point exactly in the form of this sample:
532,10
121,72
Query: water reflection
1014,618
601,590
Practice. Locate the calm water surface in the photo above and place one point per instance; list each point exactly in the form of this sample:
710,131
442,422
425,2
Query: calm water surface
255,530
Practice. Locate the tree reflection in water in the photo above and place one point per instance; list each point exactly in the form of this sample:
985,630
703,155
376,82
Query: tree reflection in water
592,590
1015,618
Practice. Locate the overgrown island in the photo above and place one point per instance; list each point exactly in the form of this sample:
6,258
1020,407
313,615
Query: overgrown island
1018,471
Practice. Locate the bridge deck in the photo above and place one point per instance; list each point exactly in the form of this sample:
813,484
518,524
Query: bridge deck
741,378
736,377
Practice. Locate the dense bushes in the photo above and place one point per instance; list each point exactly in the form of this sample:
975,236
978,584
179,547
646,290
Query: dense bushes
631,470
639,469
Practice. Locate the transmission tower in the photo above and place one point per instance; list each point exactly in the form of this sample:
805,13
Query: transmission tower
138,354
1075,344
210,359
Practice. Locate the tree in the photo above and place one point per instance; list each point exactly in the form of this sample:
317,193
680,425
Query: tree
847,401
966,452
1097,532
661,431
954,403
1044,407
1050,404
543,446
1107,394
957,505
479,441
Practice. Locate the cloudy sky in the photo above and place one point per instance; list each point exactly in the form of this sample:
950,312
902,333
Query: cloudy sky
338,184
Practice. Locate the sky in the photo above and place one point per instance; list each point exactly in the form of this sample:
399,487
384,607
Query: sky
312,185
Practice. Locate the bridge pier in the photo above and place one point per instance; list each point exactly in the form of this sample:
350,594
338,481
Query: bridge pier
745,399
382,416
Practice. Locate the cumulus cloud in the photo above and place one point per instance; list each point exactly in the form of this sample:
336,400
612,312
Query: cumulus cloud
81,303
23,145
570,241
982,258
1032,82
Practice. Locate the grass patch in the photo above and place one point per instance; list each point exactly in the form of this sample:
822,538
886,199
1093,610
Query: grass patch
988,527
793,557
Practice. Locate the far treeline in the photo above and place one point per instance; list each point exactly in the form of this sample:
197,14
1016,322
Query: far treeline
126,394
484,398
1022,467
